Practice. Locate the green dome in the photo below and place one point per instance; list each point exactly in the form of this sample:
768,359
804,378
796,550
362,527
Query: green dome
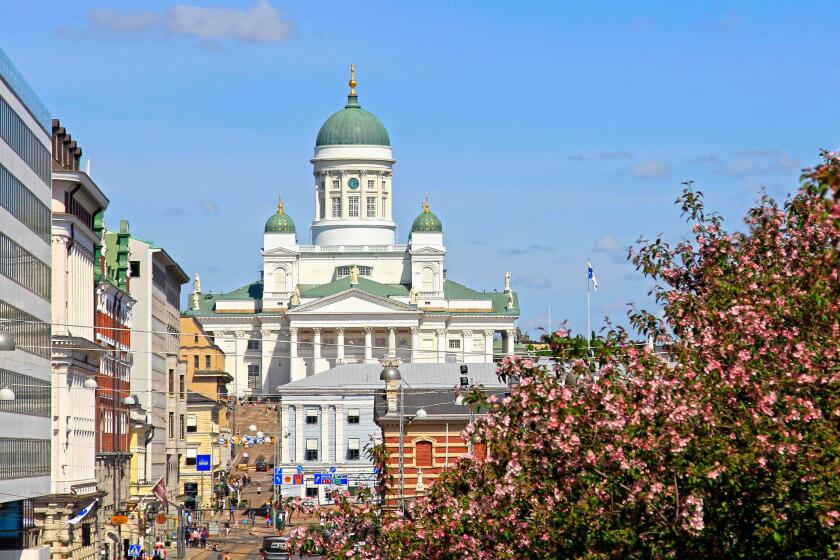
280,222
353,125
427,221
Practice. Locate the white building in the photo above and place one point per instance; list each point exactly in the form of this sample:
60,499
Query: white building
355,294
25,192
158,379
327,420
75,356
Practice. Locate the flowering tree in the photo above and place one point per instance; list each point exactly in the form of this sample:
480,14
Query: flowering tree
724,444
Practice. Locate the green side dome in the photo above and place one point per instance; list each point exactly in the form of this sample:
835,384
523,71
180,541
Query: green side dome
354,126
426,221
280,222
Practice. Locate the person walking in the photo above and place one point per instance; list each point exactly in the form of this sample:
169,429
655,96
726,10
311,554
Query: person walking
204,535
227,528
259,489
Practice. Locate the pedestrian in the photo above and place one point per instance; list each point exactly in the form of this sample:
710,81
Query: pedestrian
259,489
227,556
227,528
230,512
204,535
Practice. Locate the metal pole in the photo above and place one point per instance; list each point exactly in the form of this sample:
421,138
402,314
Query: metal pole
402,456
588,316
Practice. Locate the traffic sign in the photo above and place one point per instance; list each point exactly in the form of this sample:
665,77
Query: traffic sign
134,550
300,468
316,478
332,469
375,470
340,480
278,476
202,463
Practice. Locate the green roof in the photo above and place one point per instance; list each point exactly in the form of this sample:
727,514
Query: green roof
365,285
453,290
280,222
353,125
427,221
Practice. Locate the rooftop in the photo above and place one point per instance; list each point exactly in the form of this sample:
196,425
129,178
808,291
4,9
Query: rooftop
15,81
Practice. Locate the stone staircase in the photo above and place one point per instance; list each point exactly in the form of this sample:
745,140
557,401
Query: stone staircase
266,420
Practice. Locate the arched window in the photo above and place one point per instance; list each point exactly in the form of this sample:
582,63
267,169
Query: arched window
427,279
279,279
423,454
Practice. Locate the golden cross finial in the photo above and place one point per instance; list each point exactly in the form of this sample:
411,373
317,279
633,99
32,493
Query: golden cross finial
352,82
426,204
280,204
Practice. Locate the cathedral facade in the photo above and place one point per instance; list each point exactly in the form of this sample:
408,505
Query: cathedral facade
355,295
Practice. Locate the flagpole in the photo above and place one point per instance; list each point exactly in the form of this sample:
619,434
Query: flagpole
588,317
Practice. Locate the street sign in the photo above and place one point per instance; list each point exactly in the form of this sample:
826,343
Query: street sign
316,478
119,519
375,470
300,468
202,463
278,476
340,480
134,550
298,480
332,469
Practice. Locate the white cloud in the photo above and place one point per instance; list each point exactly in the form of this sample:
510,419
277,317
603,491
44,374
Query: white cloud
260,23
608,244
651,169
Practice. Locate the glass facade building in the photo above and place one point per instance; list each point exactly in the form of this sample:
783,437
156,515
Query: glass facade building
25,286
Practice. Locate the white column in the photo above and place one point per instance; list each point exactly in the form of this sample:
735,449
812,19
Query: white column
316,343
467,346
368,345
415,343
510,343
392,341
340,454
267,350
299,445
339,350
293,332
285,428
488,346
441,346
325,433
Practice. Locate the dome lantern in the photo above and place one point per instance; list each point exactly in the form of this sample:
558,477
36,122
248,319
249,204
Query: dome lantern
280,222
427,221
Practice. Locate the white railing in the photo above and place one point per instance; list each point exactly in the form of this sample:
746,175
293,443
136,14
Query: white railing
352,248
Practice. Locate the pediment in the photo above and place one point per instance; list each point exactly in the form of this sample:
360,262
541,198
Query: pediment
427,251
279,252
353,301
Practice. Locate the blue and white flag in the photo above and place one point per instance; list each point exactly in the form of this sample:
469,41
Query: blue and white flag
592,276
81,515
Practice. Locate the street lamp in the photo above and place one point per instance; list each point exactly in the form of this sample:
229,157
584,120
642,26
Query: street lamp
7,340
390,373
6,394
90,383
129,401
252,428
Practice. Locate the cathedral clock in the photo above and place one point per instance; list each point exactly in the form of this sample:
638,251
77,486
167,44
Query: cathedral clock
353,183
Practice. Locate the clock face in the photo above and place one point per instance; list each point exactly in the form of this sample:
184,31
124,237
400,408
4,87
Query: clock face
353,183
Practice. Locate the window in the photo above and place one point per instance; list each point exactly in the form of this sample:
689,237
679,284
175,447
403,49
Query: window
353,415
311,416
345,271
196,339
254,379
24,458
336,207
384,207
311,450
454,344
22,267
254,344
134,269
192,424
171,381
311,491
182,427
423,454
23,204
24,142
191,459
195,362
353,206
183,388
384,184
279,281
427,279
371,184
207,362
31,334
171,425
353,449
371,207
336,184
86,534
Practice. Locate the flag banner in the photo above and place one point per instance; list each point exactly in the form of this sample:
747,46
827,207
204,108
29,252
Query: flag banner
591,275
81,515
159,490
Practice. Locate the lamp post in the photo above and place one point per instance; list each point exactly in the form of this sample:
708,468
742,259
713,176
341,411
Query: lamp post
390,373
276,450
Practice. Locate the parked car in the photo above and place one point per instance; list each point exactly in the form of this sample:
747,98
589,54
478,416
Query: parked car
262,466
275,548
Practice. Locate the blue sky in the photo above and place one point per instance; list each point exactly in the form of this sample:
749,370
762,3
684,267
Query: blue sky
545,133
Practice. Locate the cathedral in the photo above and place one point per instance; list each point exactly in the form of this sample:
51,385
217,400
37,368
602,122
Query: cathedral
354,295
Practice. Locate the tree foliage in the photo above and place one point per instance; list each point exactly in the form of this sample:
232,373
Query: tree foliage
722,445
